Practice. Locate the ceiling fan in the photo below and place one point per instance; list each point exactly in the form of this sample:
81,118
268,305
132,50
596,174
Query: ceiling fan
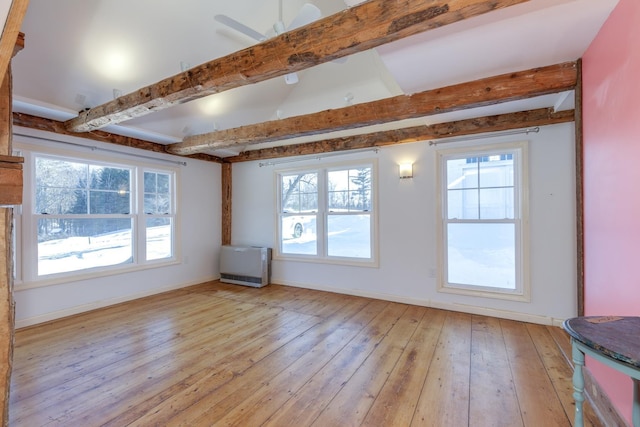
306,15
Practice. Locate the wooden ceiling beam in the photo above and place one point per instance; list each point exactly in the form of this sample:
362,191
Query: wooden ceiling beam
483,92
497,123
11,39
49,125
362,27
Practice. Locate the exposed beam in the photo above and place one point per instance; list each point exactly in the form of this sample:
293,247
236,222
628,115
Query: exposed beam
492,90
11,33
501,122
39,123
357,29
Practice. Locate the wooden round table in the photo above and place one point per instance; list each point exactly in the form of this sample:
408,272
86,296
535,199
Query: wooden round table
612,340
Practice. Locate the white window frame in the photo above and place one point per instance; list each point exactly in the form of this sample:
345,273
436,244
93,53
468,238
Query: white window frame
323,214
519,150
26,265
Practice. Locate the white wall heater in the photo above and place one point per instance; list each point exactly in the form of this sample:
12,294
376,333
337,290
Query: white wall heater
245,265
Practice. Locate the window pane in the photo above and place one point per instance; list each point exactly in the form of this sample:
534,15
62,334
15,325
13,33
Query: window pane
60,173
109,178
349,236
462,173
150,204
496,172
159,238
482,255
350,190
299,235
76,244
157,193
497,203
163,183
299,192
109,202
60,187
150,182
462,204
57,201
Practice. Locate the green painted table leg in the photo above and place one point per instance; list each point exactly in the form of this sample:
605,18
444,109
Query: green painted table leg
578,383
636,403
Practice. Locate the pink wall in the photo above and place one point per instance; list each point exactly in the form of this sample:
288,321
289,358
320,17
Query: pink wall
611,102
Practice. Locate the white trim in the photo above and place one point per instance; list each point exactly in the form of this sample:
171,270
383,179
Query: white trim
91,274
463,308
30,321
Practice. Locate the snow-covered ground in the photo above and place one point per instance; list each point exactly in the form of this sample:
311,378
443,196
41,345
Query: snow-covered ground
81,253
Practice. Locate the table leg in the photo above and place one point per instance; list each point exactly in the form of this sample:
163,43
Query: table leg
636,403
578,383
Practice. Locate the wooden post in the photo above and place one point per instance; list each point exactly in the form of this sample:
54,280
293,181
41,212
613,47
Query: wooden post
6,276
579,192
226,203
11,42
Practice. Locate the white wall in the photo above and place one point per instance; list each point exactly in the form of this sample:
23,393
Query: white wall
407,231
199,221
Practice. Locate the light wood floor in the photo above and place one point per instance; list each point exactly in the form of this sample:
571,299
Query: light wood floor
217,354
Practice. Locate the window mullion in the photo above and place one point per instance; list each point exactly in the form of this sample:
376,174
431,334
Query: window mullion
139,216
322,217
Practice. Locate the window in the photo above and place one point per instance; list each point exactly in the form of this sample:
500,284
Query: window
159,217
327,213
95,216
484,221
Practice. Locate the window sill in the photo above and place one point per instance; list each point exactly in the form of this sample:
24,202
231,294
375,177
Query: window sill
327,261
89,275
520,296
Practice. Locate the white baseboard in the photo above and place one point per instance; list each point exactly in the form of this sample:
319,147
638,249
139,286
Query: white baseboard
54,315
483,311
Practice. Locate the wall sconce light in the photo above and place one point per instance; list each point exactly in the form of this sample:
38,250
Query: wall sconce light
406,170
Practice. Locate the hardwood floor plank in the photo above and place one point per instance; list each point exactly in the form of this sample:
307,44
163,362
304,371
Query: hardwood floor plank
89,352
188,387
144,368
539,403
218,397
559,371
220,354
308,402
374,330
563,341
250,336
492,392
277,390
351,404
444,400
124,343
397,401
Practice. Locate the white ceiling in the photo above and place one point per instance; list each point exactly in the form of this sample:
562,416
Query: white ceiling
77,52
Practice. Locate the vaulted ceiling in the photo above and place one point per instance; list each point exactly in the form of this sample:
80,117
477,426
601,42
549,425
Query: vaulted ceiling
81,54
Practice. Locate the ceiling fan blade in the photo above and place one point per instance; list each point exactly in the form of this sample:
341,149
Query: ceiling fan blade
233,24
307,14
